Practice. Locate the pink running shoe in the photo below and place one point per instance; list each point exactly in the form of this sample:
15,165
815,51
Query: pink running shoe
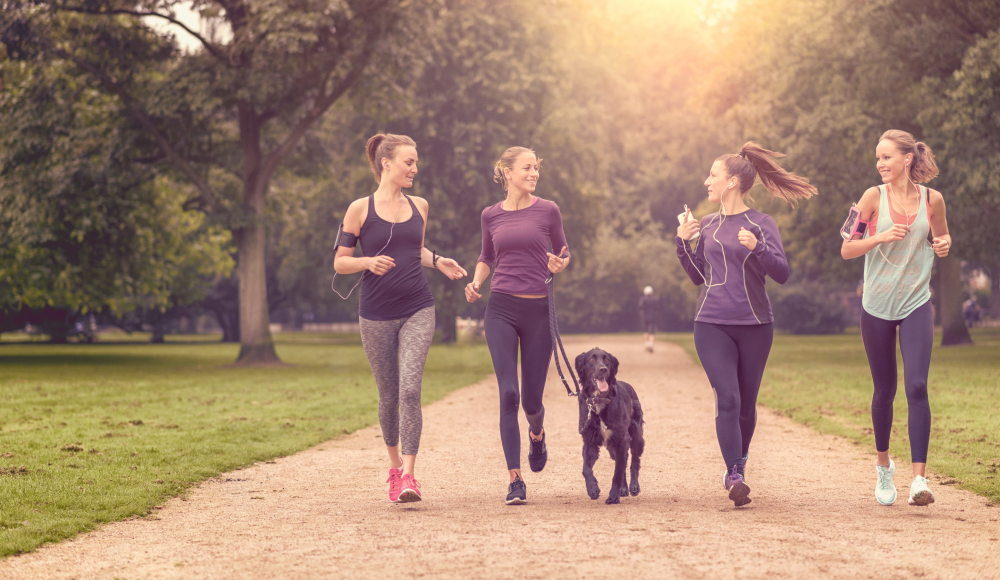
395,483
409,489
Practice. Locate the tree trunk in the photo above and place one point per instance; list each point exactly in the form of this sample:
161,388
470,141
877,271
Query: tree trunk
953,329
446,313
158,327
256,343
994,311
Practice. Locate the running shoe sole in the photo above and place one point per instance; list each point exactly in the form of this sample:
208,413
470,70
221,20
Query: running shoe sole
408,496
739,494
516,501
922,498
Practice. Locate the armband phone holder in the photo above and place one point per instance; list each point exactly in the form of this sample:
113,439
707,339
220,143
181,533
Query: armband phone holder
345,239
855,227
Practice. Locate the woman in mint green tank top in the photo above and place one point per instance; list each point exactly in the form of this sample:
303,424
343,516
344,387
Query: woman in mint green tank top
898,260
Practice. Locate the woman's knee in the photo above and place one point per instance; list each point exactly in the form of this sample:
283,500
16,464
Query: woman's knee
916,391
510,400
727,403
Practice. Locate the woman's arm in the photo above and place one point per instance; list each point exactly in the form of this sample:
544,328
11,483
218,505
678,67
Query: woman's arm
557,236
867,209
939,225
768,249
446,266
345,262
472,288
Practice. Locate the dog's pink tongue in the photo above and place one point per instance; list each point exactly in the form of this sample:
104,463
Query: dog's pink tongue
602,386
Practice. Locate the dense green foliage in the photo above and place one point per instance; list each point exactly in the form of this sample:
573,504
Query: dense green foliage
94,434
824,382
261,127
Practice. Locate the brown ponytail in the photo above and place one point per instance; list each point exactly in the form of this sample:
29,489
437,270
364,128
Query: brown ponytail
923,168
754,161
506,161
383,146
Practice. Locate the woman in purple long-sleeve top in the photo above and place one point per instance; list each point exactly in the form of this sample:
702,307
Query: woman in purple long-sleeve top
517,234
733,327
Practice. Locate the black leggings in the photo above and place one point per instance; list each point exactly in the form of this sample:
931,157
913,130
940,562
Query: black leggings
733,357
916,337
511,320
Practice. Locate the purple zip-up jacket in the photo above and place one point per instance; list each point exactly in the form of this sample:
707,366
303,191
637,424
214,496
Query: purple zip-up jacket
731,276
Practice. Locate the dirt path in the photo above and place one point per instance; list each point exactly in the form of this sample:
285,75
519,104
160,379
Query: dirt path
323,513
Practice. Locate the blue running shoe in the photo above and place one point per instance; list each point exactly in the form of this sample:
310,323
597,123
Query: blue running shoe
885,490
920,494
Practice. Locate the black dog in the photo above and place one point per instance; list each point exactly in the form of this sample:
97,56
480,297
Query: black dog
610,415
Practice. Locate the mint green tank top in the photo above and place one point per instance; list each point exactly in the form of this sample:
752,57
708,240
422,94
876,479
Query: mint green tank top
898,274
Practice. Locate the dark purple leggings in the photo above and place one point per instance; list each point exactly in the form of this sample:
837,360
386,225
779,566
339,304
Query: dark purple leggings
916,337
733,357
513,322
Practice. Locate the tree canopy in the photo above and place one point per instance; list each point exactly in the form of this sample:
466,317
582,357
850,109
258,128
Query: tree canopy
116,138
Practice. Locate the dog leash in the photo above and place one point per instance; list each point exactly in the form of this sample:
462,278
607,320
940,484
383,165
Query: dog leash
557,345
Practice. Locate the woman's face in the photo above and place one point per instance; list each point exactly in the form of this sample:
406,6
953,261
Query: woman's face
890,163
524,175
718,182
400,169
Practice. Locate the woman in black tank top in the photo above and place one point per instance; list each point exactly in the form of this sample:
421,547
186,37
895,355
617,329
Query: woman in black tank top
397,307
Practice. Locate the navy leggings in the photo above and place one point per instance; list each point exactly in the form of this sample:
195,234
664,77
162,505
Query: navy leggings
733,357
511,321
916,337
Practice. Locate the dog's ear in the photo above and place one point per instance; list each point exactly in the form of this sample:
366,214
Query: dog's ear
580,360
614,367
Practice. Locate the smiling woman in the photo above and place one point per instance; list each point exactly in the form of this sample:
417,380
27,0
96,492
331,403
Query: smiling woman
397,307
516,237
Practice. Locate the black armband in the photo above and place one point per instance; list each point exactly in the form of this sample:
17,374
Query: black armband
345,239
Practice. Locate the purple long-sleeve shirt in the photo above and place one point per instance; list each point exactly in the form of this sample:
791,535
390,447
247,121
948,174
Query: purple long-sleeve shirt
515,244
731,276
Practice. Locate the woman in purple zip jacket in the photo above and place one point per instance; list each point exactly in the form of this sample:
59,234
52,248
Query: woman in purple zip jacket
733,324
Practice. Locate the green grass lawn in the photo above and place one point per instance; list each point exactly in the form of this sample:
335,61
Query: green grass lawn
824,382
98,433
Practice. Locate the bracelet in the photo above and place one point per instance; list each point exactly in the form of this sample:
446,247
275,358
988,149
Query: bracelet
434,258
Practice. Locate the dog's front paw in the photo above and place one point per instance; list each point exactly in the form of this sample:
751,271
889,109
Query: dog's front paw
634,488
612,499
624,491
593,490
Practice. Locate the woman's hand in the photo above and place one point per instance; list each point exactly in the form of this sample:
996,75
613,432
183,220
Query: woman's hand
687,230
451,269
557,264
941,245
894,234
747,238
472,291
379,265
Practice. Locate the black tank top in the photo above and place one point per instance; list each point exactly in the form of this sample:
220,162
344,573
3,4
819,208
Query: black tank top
403,290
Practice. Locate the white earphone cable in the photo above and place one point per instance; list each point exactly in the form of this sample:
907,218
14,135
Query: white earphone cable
909,247
395,220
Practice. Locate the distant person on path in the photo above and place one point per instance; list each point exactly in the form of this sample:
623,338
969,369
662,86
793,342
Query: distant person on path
516,237
733,327
973,313
397,308
649,305
898,261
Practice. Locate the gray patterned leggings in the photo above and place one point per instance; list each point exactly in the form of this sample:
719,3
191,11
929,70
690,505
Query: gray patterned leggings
397,351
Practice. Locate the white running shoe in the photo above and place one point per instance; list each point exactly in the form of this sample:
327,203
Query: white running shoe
885,491
920,495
